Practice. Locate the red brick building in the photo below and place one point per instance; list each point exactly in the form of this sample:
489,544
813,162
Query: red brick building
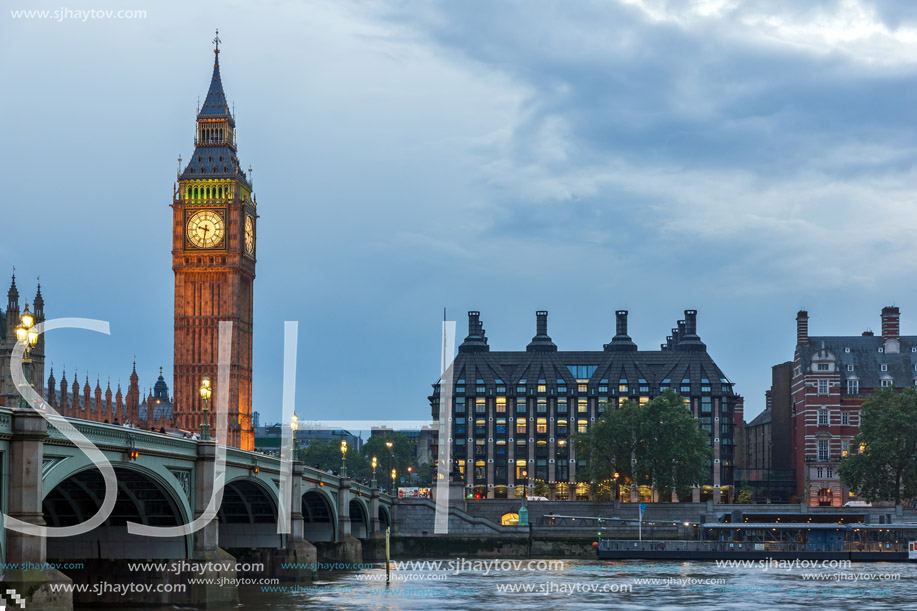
832,376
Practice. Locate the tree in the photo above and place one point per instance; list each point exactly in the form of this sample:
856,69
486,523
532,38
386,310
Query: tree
744,497
658,444
321,454
885,468
400,458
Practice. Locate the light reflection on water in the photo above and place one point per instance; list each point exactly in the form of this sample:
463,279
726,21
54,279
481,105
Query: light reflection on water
367,594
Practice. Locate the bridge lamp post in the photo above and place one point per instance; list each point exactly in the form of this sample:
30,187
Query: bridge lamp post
375,463
391,456
343,458
206,392
28,337
393,481
294,426
617,490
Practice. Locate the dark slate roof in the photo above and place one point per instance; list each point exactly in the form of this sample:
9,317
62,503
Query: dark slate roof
865,357
212,162
215,105
762,418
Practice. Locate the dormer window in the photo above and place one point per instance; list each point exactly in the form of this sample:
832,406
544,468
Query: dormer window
822,367
849,367
847,350
884,367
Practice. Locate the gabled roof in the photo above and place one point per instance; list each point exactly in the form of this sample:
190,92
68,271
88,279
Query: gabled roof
865,357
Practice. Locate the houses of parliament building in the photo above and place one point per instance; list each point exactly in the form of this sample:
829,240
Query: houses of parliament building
213,225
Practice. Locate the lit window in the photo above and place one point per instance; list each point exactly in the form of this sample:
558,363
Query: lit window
582,426
541,425
582,406
561,426
501,426
582,388
622,385
542,387
644,400
501,405
520,427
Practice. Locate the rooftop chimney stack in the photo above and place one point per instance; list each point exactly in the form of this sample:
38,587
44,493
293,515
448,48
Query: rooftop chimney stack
541,326
621,341
542,341
476,341
891,326
687,333
802,327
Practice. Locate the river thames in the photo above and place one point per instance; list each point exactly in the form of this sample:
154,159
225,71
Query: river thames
584,583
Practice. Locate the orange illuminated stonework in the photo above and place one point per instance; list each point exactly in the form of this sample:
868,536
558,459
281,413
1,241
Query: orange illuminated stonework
213,256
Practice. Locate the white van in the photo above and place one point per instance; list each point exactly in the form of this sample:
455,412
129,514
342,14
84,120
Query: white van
857,504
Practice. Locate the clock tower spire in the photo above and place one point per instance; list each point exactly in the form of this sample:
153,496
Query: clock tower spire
213,258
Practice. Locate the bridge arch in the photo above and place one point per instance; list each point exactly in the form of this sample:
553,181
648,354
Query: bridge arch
144,496
319,515
248,515
359,518
385,518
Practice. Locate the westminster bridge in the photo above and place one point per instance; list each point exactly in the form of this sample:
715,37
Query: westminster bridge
168,481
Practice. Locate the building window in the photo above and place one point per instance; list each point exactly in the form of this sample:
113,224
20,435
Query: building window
706,405
644,387
819,473
561,387
686,386
541,426
459,427
480,405
582,425
582,406
582,388
520,405
884,367
849,367
853,387
845,418
823,387
561,426
622,386
829,472
705,385
542,387
479,387
501,386
822,417
664,385
886,383
644,400
822,367
501,405
562,405
520,427
501,426
480,426
603,385
460,405
845,447
460,386
541,407
582,371
822,450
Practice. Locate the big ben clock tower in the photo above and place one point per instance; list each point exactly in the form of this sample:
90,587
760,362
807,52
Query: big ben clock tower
214,218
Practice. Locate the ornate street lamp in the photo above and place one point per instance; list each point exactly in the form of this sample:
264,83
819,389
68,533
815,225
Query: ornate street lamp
294,426
391,455
28,337
343,458
375,462
206,391
393,482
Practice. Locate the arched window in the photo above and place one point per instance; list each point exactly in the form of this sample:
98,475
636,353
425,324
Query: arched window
195,193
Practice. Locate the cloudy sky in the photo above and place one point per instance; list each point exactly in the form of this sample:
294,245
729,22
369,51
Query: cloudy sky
742,158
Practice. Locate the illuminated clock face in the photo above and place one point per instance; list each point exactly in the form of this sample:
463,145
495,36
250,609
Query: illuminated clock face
205,229
249,235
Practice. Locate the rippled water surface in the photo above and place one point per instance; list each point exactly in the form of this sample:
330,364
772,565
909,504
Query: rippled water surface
579,585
